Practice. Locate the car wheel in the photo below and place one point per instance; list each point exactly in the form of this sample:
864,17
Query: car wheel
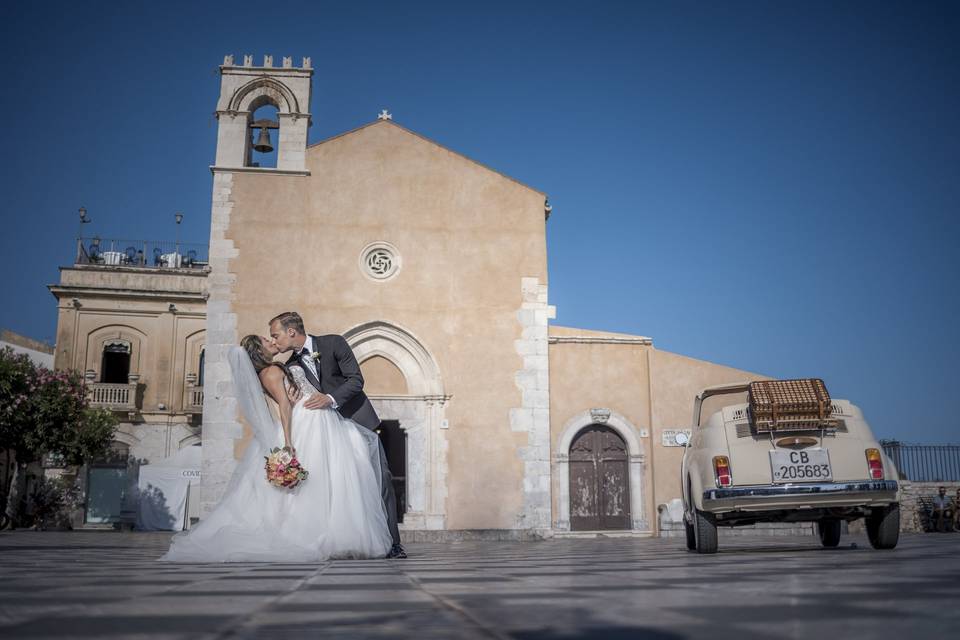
691,536
829,530
883,527
705,532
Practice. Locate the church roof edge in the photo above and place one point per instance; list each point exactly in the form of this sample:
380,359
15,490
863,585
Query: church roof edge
431,141
571,335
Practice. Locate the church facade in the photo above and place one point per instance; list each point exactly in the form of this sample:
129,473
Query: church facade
434,268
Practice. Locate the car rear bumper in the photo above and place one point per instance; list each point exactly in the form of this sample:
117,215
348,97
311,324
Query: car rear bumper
801,496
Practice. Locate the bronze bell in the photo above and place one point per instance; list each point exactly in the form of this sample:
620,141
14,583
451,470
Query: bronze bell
262,144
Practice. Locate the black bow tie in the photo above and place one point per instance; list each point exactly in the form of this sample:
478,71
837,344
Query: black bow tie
304,352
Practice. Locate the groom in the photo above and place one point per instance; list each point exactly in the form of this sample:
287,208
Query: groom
330,366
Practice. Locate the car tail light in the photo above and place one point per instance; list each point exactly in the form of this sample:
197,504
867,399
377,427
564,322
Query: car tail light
875,464
721,467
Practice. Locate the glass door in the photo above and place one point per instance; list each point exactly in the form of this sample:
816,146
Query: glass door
105,491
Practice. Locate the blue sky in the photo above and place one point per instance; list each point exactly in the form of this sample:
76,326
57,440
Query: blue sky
769,185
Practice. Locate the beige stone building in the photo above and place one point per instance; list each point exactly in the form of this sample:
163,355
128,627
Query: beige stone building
132,319
434,267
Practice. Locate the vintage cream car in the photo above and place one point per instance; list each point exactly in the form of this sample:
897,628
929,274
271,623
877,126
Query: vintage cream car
747,462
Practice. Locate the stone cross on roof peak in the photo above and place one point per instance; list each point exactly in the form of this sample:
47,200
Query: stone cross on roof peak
384,115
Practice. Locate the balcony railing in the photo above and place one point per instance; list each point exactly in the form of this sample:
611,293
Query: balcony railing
113,396
141,253
193,400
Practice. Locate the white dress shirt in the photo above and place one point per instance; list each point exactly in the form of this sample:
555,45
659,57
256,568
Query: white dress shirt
312,365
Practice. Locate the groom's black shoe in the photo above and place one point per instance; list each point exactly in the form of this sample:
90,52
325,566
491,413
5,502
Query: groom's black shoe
396,552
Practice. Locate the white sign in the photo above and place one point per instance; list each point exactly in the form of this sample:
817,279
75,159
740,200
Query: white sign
668,437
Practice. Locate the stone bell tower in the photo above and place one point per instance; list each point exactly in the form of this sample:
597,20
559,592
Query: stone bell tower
243,90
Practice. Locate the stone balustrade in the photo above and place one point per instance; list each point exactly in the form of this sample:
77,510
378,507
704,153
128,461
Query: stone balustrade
193,399
113,396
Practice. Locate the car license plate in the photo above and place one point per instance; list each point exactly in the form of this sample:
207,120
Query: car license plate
805,465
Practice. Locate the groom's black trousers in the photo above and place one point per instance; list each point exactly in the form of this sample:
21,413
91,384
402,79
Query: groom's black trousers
389,495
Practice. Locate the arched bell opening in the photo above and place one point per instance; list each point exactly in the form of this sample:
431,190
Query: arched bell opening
264,132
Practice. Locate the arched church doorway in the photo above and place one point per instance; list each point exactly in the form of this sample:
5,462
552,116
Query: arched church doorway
599,481
404,385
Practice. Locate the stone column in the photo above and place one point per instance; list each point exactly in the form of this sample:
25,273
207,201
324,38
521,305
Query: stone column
221,426
435,516
533,415
292,142
638,513
233,139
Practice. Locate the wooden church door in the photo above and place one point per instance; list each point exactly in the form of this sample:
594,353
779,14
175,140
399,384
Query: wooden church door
599,486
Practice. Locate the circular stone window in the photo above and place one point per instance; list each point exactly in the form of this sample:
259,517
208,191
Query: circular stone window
380,261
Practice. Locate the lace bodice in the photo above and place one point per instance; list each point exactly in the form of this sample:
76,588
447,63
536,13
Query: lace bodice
300,378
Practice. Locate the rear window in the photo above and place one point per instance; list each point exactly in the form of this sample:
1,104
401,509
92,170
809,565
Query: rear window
712,404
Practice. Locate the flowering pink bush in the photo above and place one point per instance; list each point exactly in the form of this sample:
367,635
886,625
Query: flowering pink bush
43,411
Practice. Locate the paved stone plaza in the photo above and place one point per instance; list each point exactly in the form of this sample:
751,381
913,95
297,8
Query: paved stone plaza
104,584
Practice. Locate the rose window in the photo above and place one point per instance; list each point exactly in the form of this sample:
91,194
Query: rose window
380,261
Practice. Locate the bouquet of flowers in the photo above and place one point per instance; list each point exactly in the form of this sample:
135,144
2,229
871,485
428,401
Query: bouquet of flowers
283,468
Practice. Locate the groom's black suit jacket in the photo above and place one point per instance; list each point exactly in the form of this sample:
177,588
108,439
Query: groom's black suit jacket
340,377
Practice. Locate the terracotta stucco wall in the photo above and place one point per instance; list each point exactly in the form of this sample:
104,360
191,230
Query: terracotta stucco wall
380,376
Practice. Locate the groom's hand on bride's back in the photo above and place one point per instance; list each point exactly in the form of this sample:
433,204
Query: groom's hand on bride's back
318,401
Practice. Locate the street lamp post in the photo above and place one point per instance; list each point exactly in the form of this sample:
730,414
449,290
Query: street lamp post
179,218
83,220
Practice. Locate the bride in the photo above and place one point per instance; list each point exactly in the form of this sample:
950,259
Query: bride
337,512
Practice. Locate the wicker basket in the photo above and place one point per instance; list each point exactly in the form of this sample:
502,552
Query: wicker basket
790,405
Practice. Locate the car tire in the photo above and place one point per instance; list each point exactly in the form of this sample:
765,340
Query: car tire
829,530
883,527
705,532
691,536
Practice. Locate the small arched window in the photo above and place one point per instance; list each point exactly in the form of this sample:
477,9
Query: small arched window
115,363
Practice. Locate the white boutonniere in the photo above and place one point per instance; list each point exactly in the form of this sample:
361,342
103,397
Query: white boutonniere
315,356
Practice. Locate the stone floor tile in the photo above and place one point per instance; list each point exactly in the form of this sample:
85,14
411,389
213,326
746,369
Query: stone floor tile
104,584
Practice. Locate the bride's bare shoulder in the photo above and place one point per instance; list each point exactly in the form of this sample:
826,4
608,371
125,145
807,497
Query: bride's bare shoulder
272,374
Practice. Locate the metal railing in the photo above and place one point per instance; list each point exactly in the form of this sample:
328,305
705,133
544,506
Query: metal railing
141,253
114,396
924,462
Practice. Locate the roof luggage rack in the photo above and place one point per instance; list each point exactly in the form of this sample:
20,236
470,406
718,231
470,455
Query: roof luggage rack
791,405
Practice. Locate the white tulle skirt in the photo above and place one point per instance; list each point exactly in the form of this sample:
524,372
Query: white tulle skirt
337,512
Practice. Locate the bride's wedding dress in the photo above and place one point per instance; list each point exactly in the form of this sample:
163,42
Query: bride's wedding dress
337,512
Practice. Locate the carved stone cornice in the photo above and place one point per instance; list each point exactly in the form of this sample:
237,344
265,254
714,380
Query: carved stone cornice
280,172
